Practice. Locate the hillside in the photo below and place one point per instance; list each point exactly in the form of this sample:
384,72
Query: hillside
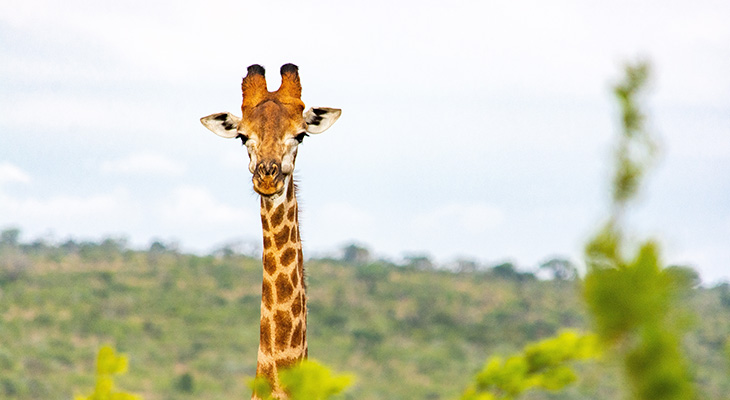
189,323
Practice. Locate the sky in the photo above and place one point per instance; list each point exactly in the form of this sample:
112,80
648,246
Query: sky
477,130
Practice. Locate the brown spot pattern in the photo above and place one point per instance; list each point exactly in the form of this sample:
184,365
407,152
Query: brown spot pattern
266,295
284,288
269,263
286,362
265,370
290,213
290,191
265,339
293,236
283,322
278,216
295,278
300,267
296,337
264,223
296,306
287,257
282,237
267,242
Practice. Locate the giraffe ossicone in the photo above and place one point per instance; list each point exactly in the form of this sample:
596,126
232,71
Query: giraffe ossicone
271,126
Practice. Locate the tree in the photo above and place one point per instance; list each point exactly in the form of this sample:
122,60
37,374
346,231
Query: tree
371,274
464,265
354,254
420,262
560,269
10,236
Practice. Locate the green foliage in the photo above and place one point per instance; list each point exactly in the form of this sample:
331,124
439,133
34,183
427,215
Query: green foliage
261,387
185,383
625,298
417,334
307,380
310,380
541,365
509,271
637,149
371,274
633,300
9,237
560,269
108,364
355,254
635,305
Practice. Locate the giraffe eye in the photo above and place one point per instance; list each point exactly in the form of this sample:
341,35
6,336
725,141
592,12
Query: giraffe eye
243,138
300,137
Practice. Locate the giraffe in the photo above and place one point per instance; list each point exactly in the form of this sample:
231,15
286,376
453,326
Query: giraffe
271,127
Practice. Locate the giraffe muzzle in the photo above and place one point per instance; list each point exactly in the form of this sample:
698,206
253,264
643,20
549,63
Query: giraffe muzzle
268,179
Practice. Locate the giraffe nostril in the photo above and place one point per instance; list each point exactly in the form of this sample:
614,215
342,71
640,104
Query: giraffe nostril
270,169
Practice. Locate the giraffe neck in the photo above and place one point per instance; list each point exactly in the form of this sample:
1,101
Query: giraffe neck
283,303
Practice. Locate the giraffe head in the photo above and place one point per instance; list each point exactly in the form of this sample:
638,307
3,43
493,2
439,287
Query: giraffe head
272,126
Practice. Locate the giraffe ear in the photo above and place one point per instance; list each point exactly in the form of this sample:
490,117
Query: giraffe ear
318,119
222,124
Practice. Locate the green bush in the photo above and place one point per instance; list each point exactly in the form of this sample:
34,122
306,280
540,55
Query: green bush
108,364
308,380
541,365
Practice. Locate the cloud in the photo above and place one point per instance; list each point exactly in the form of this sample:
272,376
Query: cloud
75,113
187,213
71,214
472,218
710,259
344,214
195,207
503,41
235,158
145,163
11,173
334,223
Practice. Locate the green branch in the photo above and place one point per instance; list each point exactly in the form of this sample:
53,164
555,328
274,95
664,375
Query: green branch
632,299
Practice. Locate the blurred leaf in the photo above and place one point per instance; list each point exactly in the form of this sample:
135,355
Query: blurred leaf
108,364
603,251
541,365
307,380
261,387
310,380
